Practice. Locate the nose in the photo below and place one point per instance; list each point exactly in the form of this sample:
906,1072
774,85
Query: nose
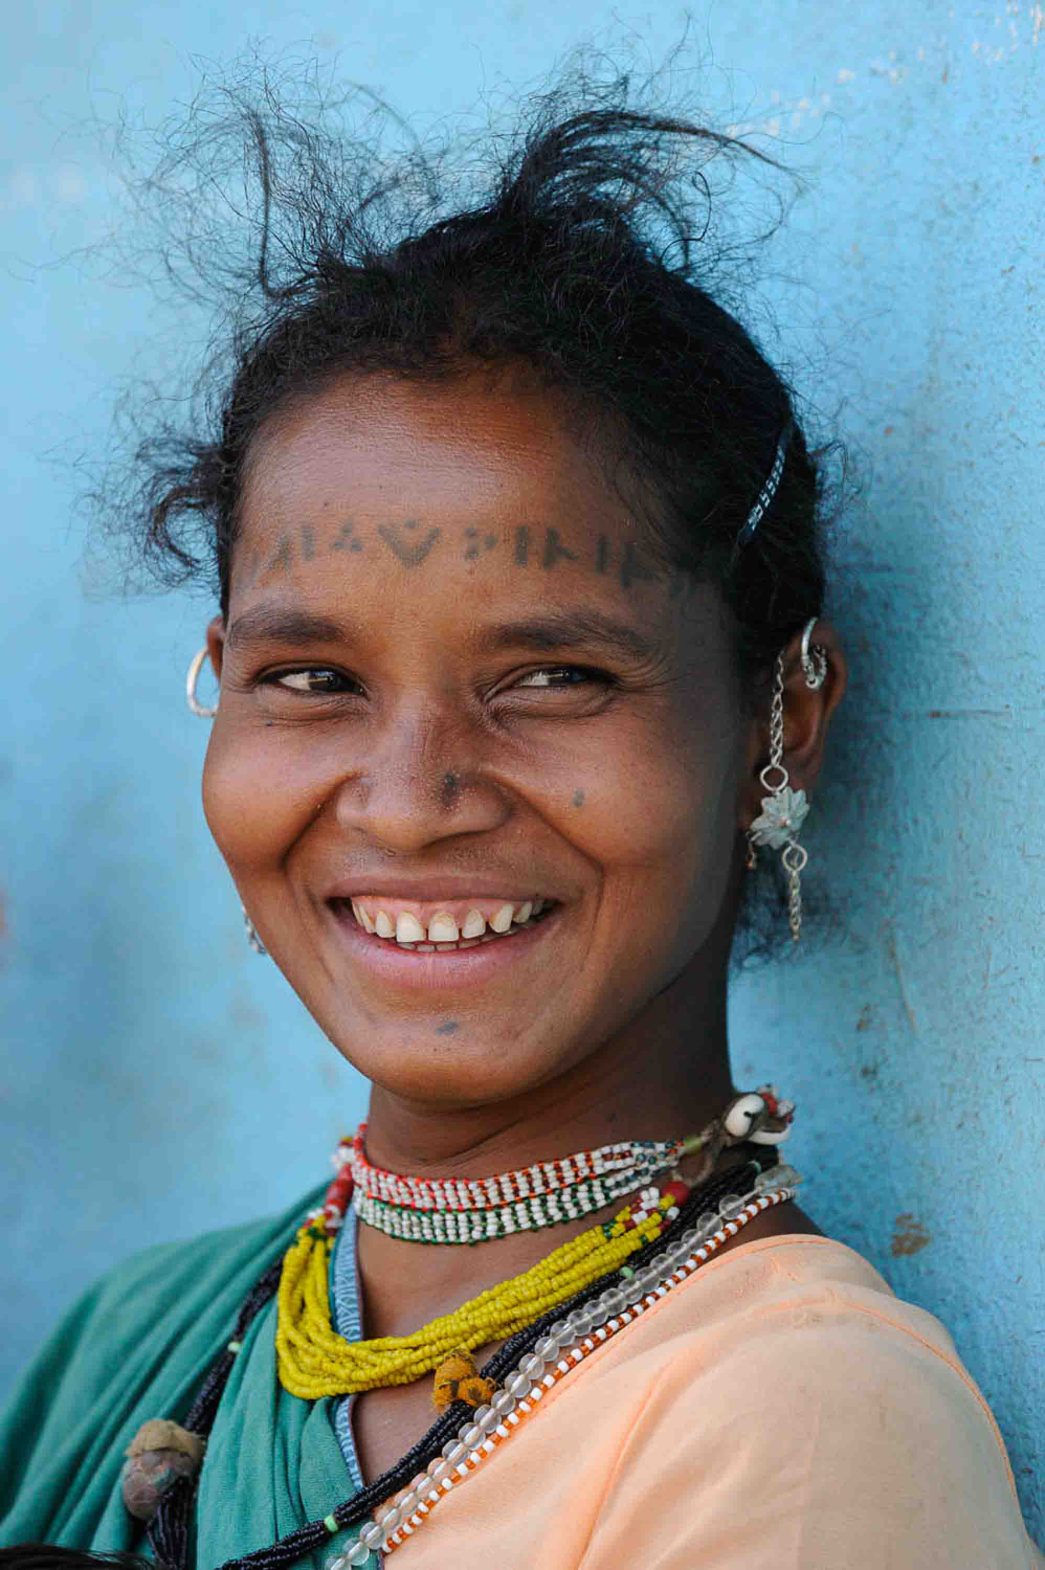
422,781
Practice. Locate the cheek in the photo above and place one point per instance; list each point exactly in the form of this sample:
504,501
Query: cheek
258,796
653,804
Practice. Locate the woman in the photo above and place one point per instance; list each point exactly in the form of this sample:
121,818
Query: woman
524,680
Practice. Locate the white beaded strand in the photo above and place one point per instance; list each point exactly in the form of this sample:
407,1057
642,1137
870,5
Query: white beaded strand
557,1353
417,1503
460,1225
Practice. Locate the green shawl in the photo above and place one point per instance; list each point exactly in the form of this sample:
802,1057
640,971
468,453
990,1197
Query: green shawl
136,1346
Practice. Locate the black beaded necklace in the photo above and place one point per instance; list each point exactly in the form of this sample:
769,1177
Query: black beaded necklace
169,1530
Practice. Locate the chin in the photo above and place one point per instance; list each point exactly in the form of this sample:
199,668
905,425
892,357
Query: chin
452,1062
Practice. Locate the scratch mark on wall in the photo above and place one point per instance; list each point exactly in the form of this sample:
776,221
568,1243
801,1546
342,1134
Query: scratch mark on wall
894,955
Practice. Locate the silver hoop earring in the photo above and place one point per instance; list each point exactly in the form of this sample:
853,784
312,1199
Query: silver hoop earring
813,660
252,933
195,666
785,810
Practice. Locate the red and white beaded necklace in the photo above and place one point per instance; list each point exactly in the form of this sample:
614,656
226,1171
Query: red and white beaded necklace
547,1193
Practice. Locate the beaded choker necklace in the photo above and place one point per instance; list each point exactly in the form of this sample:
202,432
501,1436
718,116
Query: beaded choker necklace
548,1193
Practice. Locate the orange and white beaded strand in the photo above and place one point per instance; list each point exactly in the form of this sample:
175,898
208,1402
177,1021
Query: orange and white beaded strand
565,1347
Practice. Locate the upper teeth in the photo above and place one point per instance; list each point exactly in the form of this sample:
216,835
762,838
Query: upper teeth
409,929
406,927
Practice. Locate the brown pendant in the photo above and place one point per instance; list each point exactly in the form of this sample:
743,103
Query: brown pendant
159,1454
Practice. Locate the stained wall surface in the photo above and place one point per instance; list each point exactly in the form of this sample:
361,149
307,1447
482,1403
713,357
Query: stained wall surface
157,1077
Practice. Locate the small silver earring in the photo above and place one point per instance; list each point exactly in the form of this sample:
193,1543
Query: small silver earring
252,933
813,660
195,666
785,810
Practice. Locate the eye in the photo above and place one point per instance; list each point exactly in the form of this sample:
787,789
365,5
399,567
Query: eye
315,681
562,676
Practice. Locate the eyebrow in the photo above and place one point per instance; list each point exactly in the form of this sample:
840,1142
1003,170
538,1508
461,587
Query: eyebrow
284,624
545,634
569,629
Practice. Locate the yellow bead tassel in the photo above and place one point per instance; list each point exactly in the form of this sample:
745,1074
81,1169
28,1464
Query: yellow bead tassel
314,1361
458,1379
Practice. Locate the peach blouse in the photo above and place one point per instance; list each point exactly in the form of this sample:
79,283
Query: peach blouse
779,1410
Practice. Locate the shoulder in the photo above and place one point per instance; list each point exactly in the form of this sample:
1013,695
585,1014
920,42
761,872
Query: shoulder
813,1327
820,1417
133,1345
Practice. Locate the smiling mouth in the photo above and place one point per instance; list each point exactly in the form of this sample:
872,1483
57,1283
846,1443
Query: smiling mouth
443,929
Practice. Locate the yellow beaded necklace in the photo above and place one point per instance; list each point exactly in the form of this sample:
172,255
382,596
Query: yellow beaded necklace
313,1360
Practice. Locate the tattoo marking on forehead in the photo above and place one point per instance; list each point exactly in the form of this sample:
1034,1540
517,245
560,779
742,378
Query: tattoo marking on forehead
476,541
602,554
283,559
449,1027
410,553
522,545
346,538
555,550
578,798
633,569
530,546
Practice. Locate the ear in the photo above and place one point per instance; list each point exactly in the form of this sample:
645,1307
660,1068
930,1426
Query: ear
807,716
216,643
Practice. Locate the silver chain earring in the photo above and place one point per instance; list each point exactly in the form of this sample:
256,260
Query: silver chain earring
784,810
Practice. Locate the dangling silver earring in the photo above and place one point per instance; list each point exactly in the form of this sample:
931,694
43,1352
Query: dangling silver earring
252,933
784,810
195,666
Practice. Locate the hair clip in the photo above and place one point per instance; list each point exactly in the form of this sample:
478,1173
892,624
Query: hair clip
769,489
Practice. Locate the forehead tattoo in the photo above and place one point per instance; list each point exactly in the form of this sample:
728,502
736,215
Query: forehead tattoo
530,548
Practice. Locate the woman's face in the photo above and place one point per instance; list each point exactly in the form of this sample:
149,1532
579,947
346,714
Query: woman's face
477,762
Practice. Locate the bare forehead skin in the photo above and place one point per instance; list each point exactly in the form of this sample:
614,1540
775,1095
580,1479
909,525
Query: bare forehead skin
477,440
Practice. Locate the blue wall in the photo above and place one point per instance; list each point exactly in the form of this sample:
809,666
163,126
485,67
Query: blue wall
157,1077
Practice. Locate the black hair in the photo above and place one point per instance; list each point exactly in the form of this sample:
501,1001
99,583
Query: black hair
580,252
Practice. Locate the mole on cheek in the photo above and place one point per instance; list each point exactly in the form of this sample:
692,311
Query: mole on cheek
578,798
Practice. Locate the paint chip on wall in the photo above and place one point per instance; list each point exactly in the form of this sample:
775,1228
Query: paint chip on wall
909,1236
